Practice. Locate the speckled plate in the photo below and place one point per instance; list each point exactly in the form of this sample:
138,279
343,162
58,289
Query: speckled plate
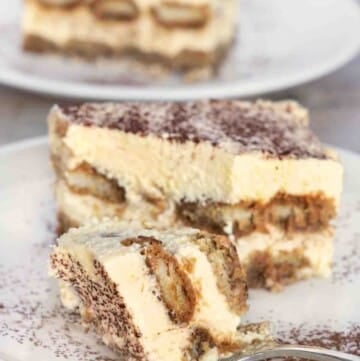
280,43
33,325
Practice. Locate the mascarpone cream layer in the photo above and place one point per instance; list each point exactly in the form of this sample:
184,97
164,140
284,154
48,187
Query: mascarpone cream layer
62,26
197,172
162,339
316,248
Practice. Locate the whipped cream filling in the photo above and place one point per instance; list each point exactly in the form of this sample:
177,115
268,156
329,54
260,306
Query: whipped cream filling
144,33
162,340
198,172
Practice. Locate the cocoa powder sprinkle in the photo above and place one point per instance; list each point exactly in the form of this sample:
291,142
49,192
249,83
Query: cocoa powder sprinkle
347,340
276,131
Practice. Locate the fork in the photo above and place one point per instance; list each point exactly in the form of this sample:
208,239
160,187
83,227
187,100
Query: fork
280,351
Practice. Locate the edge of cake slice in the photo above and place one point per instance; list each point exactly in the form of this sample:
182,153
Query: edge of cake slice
154,295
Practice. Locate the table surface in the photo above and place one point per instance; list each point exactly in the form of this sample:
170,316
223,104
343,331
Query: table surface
334,103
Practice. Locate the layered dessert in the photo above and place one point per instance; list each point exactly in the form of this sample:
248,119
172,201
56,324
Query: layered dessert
157,296
179,34
253,171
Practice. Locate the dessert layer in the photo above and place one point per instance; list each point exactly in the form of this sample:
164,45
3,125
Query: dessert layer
186,60
275,259
272,259
217,152
290,214
119,278
82,208
84,179
158,29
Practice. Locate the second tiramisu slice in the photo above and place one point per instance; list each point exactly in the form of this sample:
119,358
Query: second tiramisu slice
156,295
176,34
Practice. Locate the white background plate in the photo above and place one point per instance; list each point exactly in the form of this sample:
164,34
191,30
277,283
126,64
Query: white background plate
33,326
280,43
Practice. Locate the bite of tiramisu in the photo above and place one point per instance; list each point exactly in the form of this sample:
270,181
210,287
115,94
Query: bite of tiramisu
156,296
253,171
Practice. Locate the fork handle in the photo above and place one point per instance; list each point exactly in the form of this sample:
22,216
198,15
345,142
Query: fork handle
305,352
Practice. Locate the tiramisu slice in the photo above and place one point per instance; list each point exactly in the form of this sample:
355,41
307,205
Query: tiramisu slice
181,34
253,171
158,296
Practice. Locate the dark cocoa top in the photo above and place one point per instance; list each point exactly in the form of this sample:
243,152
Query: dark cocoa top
275,129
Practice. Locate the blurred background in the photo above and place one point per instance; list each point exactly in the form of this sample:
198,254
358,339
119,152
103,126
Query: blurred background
334,99
334,102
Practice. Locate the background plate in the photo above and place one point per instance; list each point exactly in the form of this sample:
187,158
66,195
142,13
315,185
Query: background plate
33,325
280,43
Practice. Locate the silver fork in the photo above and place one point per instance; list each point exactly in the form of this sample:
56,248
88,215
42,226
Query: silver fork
304,352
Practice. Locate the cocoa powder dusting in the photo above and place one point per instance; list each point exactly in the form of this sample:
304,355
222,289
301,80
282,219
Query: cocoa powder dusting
346,268
347,340
232,125
31,313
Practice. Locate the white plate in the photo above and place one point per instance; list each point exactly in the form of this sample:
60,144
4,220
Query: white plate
280,43
33,326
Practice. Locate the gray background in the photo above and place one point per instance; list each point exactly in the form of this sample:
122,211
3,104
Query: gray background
334,102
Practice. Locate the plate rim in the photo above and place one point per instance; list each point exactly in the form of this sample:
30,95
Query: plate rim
35,84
